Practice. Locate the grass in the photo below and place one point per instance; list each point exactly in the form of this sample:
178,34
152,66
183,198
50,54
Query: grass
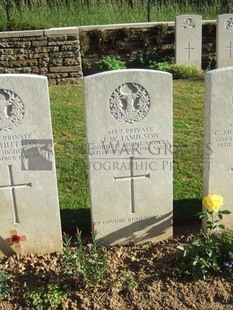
69,135
72,173
60,13
188,147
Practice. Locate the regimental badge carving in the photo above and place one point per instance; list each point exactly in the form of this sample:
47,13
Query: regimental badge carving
229,24
129,103
189,23
11,110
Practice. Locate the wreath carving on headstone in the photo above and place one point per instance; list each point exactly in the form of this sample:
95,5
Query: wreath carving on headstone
11,110
129,103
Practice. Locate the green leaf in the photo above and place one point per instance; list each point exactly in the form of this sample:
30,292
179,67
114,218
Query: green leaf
221,226
180,247
195,242
202,215
225,212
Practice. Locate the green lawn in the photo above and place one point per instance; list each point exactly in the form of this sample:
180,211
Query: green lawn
72,172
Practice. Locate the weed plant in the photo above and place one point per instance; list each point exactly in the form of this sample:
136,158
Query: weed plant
86,262
185,72
179,71
49,297
4,287
147,60
111,63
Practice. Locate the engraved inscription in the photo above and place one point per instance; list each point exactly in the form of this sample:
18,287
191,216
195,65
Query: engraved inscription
129,103
12,187
10,146
229,24
224,137
132,177
189,23
132,142
126,220
11,110
189,48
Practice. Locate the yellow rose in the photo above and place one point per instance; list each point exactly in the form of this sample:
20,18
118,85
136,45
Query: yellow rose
213,202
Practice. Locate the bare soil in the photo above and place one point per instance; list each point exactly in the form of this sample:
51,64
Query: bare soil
138,277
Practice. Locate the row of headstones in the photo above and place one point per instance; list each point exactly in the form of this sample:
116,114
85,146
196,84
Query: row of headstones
129,123
188,35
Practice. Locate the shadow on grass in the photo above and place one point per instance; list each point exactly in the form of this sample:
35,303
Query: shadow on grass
185,210
76,219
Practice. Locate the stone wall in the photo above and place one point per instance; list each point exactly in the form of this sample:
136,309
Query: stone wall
128,41
53,52
65,54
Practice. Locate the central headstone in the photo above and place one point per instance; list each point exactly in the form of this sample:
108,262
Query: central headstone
188,33
218,164
129,135
29,209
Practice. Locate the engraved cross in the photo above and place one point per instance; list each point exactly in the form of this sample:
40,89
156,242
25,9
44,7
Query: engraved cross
230,49
189,48
12,187
132,177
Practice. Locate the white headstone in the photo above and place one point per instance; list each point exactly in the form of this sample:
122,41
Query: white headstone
218,147
224,41
29,209
188,37
129,135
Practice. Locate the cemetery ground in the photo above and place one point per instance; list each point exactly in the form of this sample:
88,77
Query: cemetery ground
138,276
